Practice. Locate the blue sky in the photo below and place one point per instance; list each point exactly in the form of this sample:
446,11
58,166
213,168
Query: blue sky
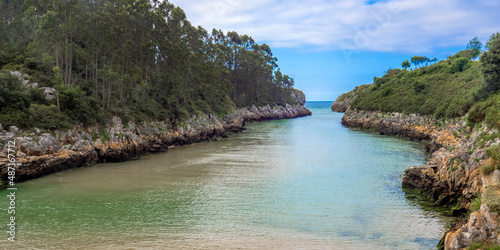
332,46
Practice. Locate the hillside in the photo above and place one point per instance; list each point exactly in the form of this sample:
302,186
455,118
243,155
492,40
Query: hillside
436,88
140,60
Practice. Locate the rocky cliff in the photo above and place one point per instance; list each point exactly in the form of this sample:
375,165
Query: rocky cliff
299,96
40,153
452,176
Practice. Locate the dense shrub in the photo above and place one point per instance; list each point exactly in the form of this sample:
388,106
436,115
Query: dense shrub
79,107
47,117
459,65
13,95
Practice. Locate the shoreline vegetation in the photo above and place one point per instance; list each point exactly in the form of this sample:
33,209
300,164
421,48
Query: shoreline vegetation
451,104
84,82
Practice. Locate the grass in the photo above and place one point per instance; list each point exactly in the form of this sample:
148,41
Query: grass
483,245
446,94
476,204
494,153
486,169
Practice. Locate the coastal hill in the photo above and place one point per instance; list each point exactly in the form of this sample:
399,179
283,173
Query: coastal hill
453,106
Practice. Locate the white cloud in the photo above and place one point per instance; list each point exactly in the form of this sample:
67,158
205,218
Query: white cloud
391,25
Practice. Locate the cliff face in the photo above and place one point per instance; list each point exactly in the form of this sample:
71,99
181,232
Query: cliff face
299,96
451,177
44,153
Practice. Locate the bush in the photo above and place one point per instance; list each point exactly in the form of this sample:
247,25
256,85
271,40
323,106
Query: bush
13,118
459,65
486,169
46,117
386,91
78,106
13,96
494,153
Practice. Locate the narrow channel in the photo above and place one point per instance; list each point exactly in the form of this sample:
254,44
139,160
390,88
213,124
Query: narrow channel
302,183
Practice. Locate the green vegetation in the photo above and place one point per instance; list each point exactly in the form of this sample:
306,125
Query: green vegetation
141,60
353,93
494,153
482,245
443,91
486,169
447,89
476,204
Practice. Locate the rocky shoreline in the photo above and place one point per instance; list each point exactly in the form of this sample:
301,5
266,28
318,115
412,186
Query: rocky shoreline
452,175
41,153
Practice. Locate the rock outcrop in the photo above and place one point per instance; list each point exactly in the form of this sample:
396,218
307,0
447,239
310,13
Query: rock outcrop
341,106
40,153
299,96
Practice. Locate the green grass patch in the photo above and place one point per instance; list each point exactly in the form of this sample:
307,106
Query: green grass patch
476,204
486,169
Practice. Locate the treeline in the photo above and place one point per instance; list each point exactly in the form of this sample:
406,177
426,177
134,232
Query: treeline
139,59
449,88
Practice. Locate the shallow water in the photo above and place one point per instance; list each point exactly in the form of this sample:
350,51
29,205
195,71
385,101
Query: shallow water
301,183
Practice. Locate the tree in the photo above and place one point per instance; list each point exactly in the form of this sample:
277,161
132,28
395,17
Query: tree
406,64
420,60
490,61
492,37
475,47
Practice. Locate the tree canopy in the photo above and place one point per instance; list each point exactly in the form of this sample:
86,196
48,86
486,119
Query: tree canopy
475,47
136,58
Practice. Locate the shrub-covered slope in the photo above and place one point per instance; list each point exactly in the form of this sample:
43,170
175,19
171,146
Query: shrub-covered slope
441,88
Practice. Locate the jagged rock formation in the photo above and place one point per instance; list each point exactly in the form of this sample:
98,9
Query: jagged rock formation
44,153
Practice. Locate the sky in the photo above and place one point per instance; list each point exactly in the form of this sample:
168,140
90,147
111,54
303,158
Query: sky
331,46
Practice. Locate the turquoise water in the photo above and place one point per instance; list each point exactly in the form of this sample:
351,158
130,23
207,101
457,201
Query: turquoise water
306,183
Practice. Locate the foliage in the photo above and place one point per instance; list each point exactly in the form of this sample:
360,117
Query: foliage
405,64
13,96
483,246
491,66
446,93
487,111
494,153
475,47
46,117
476,204
139,59
492,37
486,169
460,64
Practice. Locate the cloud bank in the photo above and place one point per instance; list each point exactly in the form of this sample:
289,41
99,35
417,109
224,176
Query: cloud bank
393,25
